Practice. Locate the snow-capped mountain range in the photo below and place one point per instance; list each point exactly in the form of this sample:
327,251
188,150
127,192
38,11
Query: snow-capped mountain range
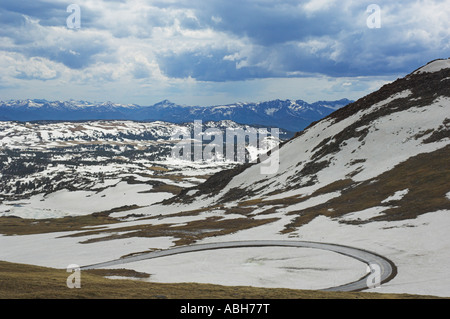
286,114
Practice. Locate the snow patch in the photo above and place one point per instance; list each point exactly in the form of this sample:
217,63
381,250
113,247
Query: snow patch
397,196
434,66
270,111
269,267
66,203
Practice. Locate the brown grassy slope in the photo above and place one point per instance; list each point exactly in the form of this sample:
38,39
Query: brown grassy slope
426,176
20,281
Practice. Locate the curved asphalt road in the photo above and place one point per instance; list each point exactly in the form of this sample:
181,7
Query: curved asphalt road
386,267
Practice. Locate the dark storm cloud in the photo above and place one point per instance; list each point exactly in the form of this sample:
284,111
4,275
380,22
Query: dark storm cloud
265,22
278,26
207,66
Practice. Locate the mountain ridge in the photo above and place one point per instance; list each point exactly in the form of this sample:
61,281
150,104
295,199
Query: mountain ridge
293,115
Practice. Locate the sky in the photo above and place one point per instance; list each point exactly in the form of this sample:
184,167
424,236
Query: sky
210,52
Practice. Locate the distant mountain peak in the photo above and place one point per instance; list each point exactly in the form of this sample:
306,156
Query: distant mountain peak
164,103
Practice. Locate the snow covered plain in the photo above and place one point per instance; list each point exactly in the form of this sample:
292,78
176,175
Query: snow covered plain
420,270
